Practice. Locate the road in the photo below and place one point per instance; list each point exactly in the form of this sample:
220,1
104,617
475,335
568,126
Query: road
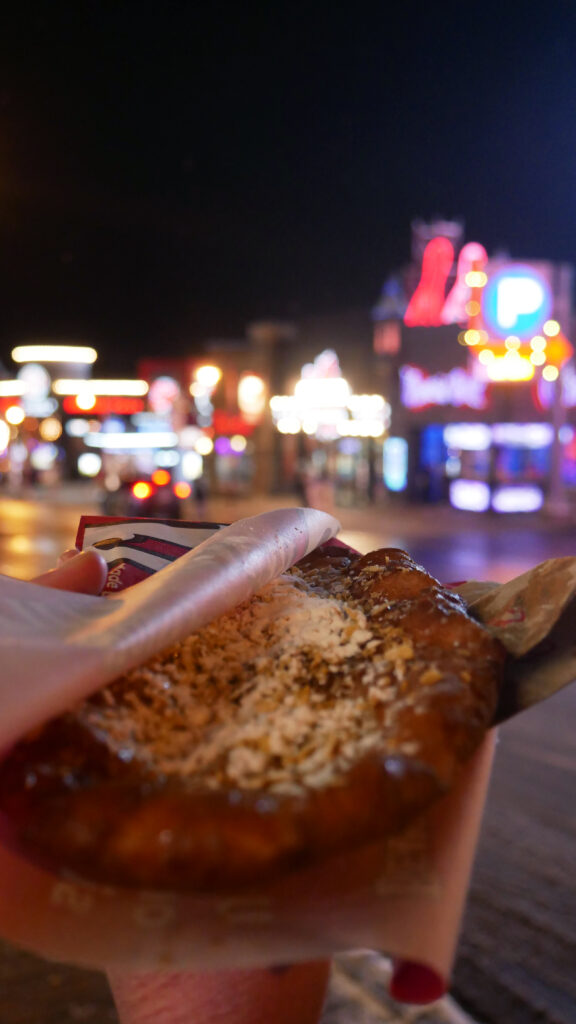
517,958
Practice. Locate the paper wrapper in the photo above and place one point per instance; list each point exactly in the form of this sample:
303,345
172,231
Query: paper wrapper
404,896
534,616
83,642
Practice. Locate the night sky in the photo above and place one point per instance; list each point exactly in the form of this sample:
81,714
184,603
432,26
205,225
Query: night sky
169,173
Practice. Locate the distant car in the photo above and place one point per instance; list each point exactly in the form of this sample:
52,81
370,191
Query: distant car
154,497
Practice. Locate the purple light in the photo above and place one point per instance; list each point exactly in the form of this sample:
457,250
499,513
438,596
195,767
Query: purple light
222,446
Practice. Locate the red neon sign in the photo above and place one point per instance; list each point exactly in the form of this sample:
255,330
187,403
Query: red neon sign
425,306
473,257
231,423
123,405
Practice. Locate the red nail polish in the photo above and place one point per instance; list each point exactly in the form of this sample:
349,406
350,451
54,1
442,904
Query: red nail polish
416,983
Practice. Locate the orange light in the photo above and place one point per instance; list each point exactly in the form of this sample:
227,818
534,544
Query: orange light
160,477
558,350
472,308
141,490
182,489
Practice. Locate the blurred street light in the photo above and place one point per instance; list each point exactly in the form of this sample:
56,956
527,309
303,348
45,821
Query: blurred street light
66,386
54,354
206,378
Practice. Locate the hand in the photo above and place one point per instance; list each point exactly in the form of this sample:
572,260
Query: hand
283,995
82,572
129,932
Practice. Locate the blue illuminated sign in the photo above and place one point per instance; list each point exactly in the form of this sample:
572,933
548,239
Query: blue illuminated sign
395,463
516,300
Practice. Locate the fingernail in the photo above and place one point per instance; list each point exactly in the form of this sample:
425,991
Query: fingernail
416,983
67,555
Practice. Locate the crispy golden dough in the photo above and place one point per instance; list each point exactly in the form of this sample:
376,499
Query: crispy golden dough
324,713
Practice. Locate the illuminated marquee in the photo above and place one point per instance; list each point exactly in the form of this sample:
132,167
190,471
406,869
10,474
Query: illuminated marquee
323,405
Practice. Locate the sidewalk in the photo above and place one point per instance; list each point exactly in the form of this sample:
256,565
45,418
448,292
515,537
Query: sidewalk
386,517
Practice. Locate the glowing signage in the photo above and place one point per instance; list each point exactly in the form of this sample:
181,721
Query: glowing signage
523,498
475,496
65,386
12,388
395,463
516,300
470,495
478,437
430,306
469,437
457,388
509,366
470,273
54,354
130,441
323,405
231,423
425,306
102,405
523,435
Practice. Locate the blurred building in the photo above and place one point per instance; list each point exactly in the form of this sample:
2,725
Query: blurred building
476,358
457,387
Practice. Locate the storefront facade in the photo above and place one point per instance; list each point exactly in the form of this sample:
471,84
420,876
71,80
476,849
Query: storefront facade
481,379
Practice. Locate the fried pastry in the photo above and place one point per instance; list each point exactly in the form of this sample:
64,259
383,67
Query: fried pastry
325,712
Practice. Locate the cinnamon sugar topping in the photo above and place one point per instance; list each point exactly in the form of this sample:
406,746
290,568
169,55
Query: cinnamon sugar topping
286,692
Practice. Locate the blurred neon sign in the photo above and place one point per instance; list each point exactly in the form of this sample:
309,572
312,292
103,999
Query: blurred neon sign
516,300
395,463
324,406
103,405
425,306
457,388
429,305
470,273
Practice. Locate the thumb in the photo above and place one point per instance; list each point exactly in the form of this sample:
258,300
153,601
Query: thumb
285,995
84,573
